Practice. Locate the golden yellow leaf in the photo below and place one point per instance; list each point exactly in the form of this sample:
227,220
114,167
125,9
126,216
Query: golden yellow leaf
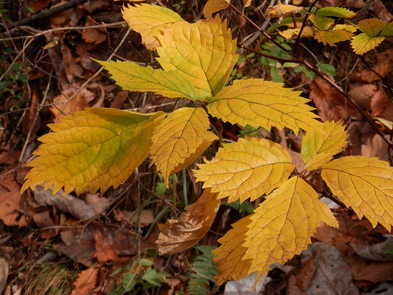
320,145
229,255
256,102
204,53
133,77
349,28
283,224
365,184
362,43
282,10
293,33
150,21
178,137
333,36
213,6
247,3
371,26
185,232
92,149
246,169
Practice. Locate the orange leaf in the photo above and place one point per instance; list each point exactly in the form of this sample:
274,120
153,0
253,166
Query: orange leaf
86,281
180,234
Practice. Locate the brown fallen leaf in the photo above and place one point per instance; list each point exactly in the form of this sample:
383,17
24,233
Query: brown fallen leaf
64,202
71,101
10,199
144,217
85,282
4,269
94,36
375,252
306,274
330,104
375,272
383,66
180,234
84,245
333,275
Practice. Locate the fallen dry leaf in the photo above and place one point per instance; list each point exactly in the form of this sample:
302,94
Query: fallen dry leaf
94,36
71,100
4,268
80,243
383,66
85,282
143,218
306,274
330,104
10,203
333,275
64,202
180,234
375,252
104,251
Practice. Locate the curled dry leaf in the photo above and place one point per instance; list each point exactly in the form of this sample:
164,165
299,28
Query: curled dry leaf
180,234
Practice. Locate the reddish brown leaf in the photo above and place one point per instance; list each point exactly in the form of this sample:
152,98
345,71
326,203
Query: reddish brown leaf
85,282
180,234
383,66
331,104
104,251
9,200
93,35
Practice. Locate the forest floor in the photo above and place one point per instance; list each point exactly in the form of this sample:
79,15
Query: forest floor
104,243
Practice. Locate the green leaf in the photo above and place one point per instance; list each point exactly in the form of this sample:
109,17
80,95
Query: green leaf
328,69
335,12
153,277
92,149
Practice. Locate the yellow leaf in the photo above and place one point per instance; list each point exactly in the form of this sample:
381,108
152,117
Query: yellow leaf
178,137
256,102
92,149
213,6
319,146
365,184
186,231
362,43
133,77
282,10
293,33
349,28
246,169
150,21
335,12
229,255
333,36
283,224
203,52
371,26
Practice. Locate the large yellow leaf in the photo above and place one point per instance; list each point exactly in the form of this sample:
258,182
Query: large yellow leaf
203,52
229,255
246,169
178,137
92,149
185,232
213,6
319,146
362,43
256,102
293,33
283,224
371,26
150,21
133,77
365,184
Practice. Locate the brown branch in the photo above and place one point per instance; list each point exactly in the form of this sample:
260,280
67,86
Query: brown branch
48,12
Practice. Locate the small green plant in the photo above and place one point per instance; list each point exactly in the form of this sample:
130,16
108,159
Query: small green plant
203,269
139,278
